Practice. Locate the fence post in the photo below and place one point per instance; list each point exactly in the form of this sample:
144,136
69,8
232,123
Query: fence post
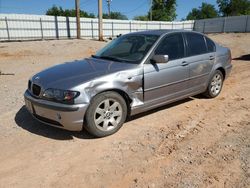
7,28
192,28
56,27
172,25
41,27
130,27
68,27
224,25
246,23
160,25
204,26
112,29
92,29
146,25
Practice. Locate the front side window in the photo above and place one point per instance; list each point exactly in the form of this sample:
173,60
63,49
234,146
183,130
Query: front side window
128,48
172,46
196,44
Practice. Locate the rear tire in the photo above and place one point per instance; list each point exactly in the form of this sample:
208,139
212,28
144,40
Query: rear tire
106,114
215,85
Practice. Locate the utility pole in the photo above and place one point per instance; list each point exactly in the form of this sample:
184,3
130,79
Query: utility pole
108,2
100,20
78,29
151,10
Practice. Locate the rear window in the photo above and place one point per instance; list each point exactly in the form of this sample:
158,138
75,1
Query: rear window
210,45
196,44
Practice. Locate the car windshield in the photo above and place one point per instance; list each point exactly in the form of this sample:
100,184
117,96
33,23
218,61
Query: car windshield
127,48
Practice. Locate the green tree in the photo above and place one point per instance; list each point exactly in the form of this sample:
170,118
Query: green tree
234,7
193,15
55,11
164,10
58,11
115,16
141,18
204,11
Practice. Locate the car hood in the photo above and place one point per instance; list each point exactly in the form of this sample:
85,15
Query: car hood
71,74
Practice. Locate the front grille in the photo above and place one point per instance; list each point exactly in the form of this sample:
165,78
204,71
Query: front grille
36,89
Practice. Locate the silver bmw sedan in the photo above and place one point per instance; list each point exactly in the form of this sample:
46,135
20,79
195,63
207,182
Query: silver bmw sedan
134,73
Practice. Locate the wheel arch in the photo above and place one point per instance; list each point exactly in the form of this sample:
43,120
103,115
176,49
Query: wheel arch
122,93
223,71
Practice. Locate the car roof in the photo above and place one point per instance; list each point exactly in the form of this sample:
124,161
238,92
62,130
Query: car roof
161,32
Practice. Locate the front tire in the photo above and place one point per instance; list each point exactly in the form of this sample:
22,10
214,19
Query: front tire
106,114
215,85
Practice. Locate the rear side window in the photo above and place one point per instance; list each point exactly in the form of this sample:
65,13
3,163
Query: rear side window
196,44
172,46
210,45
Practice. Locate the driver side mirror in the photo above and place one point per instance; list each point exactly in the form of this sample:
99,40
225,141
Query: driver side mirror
160,58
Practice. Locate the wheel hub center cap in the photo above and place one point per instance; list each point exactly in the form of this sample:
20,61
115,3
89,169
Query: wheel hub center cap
108,114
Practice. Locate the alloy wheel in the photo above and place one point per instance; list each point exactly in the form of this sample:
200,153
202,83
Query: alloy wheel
216,84
108,115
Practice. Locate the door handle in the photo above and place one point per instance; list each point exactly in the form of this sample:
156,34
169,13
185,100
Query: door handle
184,63
211,58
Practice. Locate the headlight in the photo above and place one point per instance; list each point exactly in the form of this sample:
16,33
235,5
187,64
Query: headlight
60,95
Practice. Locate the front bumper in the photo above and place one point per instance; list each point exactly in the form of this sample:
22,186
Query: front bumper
69,117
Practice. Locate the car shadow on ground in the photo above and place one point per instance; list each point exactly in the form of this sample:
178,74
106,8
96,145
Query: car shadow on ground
25,120
243,57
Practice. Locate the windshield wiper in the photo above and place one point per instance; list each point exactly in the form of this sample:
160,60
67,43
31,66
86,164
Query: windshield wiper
95,56
107,57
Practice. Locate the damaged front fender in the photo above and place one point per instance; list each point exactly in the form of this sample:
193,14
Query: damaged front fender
128,82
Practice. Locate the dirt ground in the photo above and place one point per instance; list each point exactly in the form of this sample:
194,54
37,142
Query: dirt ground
196,142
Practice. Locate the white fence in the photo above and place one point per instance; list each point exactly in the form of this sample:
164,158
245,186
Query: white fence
30,27
224,24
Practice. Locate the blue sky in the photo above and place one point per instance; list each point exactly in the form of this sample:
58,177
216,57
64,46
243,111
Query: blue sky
130,8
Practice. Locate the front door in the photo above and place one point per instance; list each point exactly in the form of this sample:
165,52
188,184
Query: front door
166,81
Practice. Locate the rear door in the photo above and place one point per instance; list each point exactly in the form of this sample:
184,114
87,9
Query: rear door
200,60
166,81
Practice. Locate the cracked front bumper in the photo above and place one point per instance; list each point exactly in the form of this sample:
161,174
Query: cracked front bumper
69,117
